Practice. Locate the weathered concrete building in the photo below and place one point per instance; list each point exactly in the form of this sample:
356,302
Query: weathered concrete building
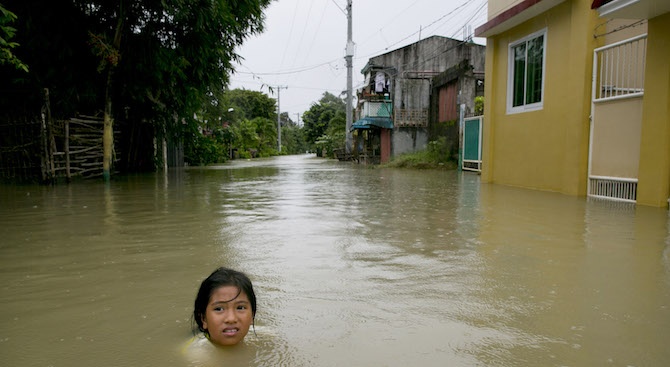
410,89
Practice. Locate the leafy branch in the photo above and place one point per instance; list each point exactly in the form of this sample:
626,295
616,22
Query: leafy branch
6,34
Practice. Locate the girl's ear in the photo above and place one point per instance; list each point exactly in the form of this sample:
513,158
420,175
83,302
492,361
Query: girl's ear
204,322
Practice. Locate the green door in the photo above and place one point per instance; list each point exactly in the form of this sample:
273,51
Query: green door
472,144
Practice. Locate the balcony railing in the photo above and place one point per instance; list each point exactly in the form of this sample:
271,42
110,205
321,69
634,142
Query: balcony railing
377,109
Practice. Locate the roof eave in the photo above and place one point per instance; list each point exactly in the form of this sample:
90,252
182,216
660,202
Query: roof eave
514,16
633,9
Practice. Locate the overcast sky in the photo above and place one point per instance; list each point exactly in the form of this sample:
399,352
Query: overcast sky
303,45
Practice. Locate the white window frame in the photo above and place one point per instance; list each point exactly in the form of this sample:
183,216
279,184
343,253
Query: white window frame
510,74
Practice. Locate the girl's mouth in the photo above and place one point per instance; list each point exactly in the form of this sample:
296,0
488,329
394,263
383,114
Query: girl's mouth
230,331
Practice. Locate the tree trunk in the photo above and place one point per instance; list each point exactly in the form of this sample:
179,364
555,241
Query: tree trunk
107,132
108,129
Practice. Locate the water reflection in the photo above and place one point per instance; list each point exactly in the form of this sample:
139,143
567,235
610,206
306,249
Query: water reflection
352,266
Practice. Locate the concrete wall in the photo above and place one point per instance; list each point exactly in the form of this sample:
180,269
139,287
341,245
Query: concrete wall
435,54
409,139
432,55
654,178
498,6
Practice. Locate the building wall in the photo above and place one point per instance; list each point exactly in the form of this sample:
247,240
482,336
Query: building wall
468,89
545,149
412,69
496,7
409,139
654,178
433,54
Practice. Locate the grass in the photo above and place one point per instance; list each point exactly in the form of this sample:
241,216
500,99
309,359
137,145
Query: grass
420,160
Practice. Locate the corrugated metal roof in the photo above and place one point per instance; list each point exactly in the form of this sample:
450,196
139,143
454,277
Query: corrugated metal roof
367,122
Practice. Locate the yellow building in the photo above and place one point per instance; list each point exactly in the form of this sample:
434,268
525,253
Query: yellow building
577,97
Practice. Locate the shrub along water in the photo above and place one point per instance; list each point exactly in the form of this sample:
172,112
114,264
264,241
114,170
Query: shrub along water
436,156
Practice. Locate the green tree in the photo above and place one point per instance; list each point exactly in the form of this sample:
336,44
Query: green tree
292,136
190,53
266,131
57,29
7,32
246,140
251,104
293,140
320,115
149,62
285,120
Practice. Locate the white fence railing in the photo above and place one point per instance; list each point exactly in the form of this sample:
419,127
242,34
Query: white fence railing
619,69
613,188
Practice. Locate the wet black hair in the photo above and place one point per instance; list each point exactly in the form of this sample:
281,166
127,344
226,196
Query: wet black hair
221,277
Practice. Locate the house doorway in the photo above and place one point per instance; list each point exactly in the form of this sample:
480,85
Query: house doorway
616,119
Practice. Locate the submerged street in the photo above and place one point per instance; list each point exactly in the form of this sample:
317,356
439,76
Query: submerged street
351,266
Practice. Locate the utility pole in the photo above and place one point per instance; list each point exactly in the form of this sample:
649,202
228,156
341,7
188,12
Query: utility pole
348,57
279,88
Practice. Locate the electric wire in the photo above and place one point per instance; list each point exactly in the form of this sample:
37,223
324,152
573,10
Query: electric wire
330,62
311,45
334,64
290,33
302,36
339,7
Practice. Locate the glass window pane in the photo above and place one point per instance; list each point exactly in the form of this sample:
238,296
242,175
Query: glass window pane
534,81
519,74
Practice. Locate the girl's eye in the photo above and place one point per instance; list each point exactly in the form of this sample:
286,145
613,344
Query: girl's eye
218,308
241,307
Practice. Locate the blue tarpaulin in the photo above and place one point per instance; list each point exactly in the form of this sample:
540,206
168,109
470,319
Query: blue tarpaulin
367,122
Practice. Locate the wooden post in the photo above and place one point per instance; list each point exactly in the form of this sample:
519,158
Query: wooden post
44,157
51,146
68,176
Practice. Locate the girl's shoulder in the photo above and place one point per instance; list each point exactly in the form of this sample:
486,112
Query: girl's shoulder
196,345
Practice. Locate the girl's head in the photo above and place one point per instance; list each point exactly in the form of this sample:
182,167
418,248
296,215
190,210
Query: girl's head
225,306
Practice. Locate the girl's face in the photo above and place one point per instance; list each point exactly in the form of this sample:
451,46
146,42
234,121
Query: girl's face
228,316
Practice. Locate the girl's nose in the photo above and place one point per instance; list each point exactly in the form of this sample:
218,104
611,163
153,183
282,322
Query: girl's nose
229,316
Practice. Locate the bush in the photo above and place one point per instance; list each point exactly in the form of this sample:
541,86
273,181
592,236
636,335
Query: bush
438,154
479,106
441,151
203,150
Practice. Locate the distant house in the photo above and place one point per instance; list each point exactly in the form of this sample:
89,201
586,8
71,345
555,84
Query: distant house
577,97
410,89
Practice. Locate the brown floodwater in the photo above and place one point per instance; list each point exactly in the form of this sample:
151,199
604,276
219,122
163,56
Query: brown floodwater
352,267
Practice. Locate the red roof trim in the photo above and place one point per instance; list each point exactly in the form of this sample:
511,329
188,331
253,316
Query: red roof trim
506,15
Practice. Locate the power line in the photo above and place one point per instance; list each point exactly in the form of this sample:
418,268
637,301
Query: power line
312,67
339,7
294,71
311,44
302,35
337,65
292,86
429,25
290,33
